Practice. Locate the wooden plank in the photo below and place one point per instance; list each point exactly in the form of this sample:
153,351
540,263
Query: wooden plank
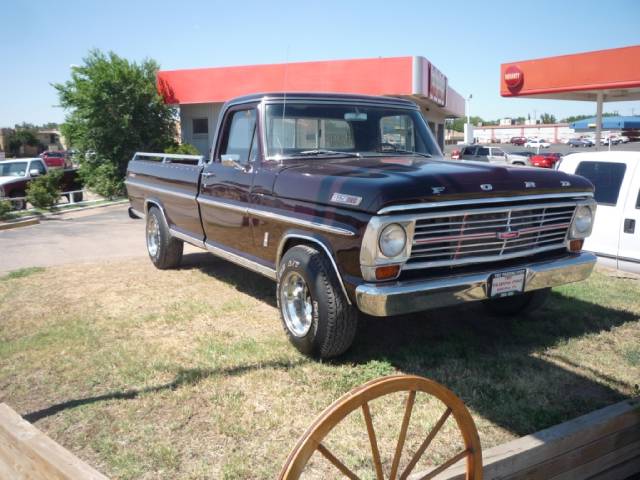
28,453
603,463
620,471
509,458
582,454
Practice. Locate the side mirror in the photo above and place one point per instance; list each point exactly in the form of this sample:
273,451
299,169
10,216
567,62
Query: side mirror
34,172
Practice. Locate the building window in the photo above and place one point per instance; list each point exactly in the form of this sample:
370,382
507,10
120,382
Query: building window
200,126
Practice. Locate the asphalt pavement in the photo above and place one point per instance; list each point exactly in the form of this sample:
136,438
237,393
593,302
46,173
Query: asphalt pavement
74,237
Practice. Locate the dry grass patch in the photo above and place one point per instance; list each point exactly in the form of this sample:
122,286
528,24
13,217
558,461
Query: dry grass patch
187,373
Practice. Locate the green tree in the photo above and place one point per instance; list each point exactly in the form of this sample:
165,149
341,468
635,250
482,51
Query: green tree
21,137
114,110
182,149
458,124
577,118
547,118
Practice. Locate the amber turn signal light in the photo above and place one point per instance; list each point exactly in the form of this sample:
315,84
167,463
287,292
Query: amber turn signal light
387,272
575,245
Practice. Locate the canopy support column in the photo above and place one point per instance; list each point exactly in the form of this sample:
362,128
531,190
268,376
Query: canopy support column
599,100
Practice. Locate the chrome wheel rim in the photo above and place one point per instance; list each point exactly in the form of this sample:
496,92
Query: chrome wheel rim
153,235
296,304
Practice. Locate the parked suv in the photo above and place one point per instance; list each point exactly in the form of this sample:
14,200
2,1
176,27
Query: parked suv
520,141
497,155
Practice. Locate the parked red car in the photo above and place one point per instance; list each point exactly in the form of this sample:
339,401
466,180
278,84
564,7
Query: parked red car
545,160
518,141
54,159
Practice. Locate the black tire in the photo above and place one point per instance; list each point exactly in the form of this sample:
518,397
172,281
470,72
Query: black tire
168,253
333,321
518,304
18,204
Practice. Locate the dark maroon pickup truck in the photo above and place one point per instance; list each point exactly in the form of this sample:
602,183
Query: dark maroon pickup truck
17,173
348,204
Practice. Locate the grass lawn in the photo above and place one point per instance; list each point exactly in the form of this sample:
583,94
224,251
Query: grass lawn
187,374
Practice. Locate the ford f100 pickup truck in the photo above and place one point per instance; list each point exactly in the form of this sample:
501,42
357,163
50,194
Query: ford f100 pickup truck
348,204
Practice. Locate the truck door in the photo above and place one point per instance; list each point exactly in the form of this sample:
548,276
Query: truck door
226,182
610,185
629,250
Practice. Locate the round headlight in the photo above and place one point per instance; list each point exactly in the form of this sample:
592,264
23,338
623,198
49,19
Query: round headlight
393,239
583,220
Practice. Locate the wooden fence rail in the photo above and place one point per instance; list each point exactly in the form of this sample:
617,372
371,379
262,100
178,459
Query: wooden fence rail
27,453
604,444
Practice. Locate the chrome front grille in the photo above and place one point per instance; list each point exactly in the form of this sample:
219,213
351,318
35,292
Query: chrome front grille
488,234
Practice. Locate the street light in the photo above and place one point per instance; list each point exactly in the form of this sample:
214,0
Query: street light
467,131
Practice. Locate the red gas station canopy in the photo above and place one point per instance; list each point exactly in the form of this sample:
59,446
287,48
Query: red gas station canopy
615,73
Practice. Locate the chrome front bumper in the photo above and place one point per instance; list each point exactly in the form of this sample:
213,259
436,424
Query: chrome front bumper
419,295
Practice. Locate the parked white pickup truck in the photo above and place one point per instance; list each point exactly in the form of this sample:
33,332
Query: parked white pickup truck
616,231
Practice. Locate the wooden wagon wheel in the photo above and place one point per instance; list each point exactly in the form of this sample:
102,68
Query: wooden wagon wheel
359,398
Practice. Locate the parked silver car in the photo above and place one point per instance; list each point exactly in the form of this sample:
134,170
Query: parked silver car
497,155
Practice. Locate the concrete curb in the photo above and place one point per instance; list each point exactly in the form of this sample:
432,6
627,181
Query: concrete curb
19,223
35,219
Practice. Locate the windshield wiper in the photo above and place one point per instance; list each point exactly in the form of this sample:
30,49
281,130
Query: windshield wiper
399,150
322,151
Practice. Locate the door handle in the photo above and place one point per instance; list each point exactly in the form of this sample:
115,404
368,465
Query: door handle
629,225
208,174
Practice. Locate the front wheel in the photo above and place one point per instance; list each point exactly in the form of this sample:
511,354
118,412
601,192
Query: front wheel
315,314
525,303
164,250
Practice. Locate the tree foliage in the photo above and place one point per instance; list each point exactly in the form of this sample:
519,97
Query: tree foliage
114,110
577,118
22,137
547,118
182,149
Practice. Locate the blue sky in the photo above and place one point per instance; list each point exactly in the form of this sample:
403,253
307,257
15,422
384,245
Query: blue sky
466,40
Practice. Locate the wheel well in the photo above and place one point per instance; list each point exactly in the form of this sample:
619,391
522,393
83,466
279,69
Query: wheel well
294,240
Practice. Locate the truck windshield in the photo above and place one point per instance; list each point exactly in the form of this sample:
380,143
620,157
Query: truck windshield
13,169
299,130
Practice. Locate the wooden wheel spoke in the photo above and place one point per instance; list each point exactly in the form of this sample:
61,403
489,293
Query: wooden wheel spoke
425,444
446,464
372,439
337,463
403,434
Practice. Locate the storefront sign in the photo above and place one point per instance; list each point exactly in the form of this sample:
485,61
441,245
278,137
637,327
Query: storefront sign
437,86
513,77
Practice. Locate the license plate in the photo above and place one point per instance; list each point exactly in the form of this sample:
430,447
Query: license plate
504,284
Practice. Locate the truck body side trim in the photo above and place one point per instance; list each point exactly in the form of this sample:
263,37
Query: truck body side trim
277,216
240,260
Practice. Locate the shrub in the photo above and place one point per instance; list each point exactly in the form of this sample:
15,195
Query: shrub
182,149
103,178
44,191
5,208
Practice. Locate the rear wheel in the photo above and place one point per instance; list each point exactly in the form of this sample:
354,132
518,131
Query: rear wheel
164,250
315,314
525,303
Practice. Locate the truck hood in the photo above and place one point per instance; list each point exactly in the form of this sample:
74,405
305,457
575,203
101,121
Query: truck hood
369,184
5,180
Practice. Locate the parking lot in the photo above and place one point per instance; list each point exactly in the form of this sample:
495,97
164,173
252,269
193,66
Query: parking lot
560,148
